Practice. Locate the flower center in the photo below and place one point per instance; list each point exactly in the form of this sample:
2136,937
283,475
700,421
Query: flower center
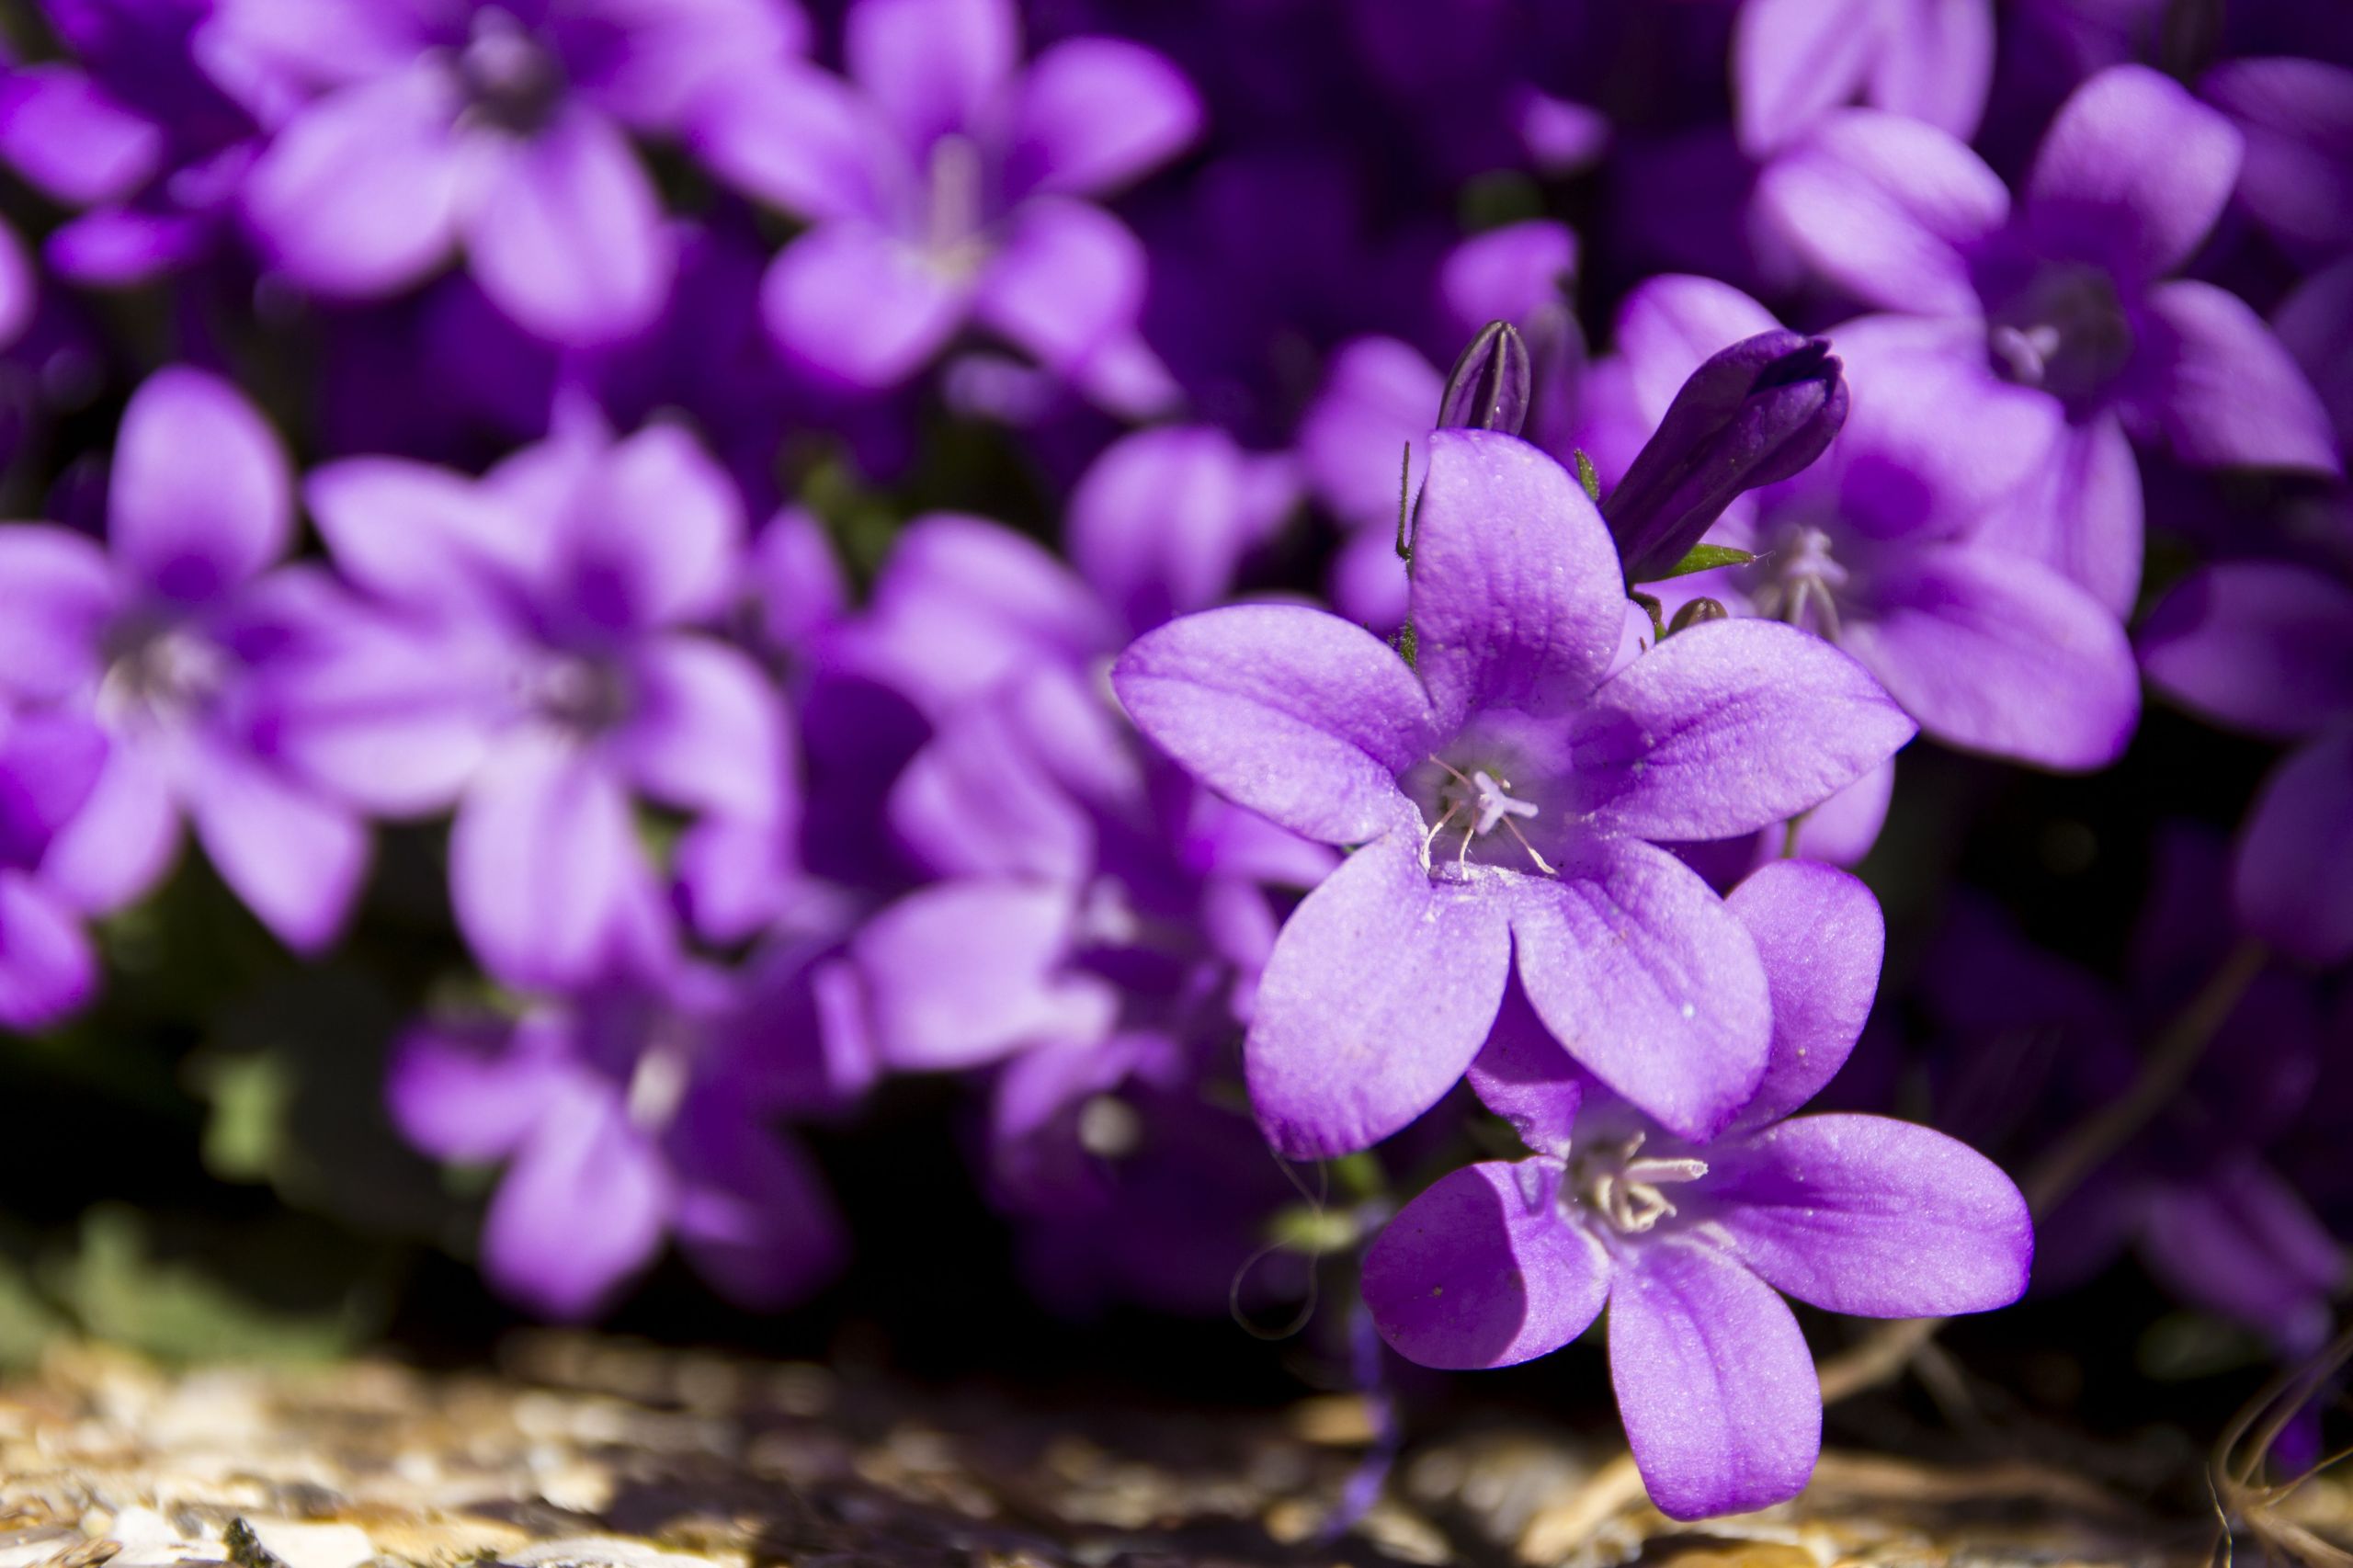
1616,1181
1475,804
657,1086
1801,581
952,214
511,80
162,674
579,695
2064,332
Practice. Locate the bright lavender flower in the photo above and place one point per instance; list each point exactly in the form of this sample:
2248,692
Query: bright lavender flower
1504,787
944,181
176,636
1688,1243
1752,415
402,130
1885,547
544,675
646,1107
48,763
2065,295
1795,62
2266,648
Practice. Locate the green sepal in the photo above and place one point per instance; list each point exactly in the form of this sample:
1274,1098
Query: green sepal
1704,557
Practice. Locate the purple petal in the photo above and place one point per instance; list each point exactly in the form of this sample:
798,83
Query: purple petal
47,969
1873,1217
707,732
359,195
1714,1383
1369,584
49,760
1793,61
2315,324
753,1215
1819,937
1160,522
797,137
1380,990
1726,727
563,231
2081,513
1998,655
624,573
1069,281
2260,646
469,1097
2221,390
2297,117
2243,1244
296,860
121,248
854,304
933,67
1380,397
1936,64
1482,1272
67,135
963,972
200,498
2131,173
582,1208
1637,967
1509,274
543,862
424,538
1841,830
388,718
974,801
1668,326
57,593
2294,883
1886,207
1517,601
1525,1076
801,587
1292,712
122,841
1095,113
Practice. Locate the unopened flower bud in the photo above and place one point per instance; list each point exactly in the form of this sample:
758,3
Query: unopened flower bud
1754,415
1697,613
1490,384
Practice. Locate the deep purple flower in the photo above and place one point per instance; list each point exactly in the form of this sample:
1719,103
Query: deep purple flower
48,763
1888,546
175,636
1795,62
1503,787
543,674
1752,414
2268,648
945,182
646,1105
401,130
1688,1243
2065,295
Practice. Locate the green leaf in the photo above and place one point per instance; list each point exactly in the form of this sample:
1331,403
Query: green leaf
1704,557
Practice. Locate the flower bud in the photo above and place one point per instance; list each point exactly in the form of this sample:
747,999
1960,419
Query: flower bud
1490,384
1698,612
1755,414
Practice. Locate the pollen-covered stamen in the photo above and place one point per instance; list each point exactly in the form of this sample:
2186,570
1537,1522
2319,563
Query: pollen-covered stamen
1616,1182
1802,581
1486,803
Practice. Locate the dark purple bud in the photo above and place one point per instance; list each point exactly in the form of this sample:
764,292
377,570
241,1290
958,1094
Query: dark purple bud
1755,414
1698,612
1489,387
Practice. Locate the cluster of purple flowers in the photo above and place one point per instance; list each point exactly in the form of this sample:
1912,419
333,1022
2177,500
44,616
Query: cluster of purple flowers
558,419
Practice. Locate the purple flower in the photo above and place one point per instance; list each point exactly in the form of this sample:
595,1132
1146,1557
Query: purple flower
646,1105
1503,787
2065,295
177,637
1888,546
1688,1243
401,130
944,181
543,674
2268,648
1795,62
48,763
